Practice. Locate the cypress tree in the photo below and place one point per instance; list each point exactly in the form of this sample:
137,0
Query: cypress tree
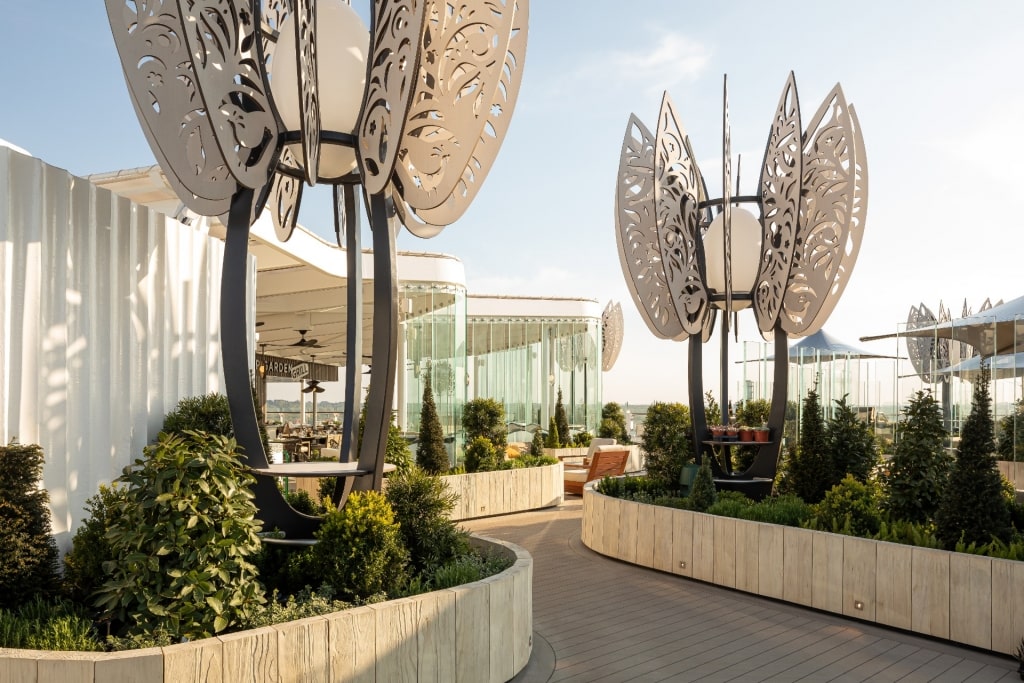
28,553
851,444
537,444
431,455
920,464
810,472
552,440
562,421
972,507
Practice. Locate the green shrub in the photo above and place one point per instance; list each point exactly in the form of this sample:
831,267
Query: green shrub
850,443
530,461
397,451
359,553
907,533
561,420
485,417
668,442
28,553
972,508
729,504
809,471
183,539
613,423
208,413
302,605
83,564
551,440
481,456
431,454
917,473
702,493
537,444
422,505
1010,445
582,439
625,487
787,510
302,502
850,507
42,625
752,413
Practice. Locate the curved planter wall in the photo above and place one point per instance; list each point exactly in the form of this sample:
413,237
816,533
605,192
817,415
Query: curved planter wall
977,601
477,632
482,494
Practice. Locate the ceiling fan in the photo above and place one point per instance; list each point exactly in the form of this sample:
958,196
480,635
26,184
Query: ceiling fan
313,387
308,343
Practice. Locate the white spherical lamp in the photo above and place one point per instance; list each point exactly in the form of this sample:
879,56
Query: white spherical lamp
342,42
745,251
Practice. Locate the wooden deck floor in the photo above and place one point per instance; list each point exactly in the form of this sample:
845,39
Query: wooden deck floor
598,619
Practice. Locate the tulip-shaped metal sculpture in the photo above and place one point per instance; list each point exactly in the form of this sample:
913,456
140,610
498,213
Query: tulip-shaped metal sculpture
244,100
685,257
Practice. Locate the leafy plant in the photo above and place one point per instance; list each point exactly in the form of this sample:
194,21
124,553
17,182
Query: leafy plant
787,510
920,466
182,540
467,569
301,605
625,487
485,417
582,439
529,461
702,493
561,420
972,508
850,507
1011,434
83,564
431,454
302,502
397,451
809,471
359,553
753,413
28,553
668,442
422,505
481,456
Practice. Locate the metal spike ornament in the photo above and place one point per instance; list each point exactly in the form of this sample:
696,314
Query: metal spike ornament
801,248
244,101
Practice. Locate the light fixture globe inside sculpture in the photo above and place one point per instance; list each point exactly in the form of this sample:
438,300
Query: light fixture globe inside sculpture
342,42
746,250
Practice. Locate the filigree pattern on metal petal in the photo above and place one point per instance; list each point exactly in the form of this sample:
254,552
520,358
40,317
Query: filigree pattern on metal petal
158,70
636,229
272,15
826,210
677,186
309,100
412,222
780,212
499,115
284,200
611,335
397,29
221,38
464,47
726,203
920,349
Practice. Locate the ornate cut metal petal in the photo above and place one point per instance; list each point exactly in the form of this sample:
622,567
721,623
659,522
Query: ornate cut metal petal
854,227
492,134
309,101
412,222
221,37
677,187
920,349
285,198
397,29
464,46
637,232
611,335
826,215
150,40
272,15
780,198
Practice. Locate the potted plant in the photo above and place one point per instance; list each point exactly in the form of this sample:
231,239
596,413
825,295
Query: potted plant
717,432
731,432
762,434
746,433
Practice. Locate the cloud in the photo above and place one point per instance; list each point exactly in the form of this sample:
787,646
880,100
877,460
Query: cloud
661,59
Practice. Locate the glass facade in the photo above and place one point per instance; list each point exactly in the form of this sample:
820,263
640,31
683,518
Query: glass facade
432,338
523,362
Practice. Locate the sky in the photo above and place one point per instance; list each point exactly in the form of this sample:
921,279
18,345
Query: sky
937,87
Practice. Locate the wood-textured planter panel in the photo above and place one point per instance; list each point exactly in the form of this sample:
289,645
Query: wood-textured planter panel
747,539
1007,605
628,516
352,643
645,534
970,617
931,592
303,651
704,547
827,572
201,661
663,544
798,562
770,561
893,585
724,540
397,643
682,542
859,578
435,633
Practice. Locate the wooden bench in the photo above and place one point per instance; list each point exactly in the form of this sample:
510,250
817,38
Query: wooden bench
607,461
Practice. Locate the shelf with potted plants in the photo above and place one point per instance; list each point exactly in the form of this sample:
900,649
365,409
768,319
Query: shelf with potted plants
742,435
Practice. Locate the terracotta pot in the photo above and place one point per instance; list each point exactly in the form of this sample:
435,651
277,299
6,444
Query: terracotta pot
746,435
762,435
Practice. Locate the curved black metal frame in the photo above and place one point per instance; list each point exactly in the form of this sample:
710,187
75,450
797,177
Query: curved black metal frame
275,512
